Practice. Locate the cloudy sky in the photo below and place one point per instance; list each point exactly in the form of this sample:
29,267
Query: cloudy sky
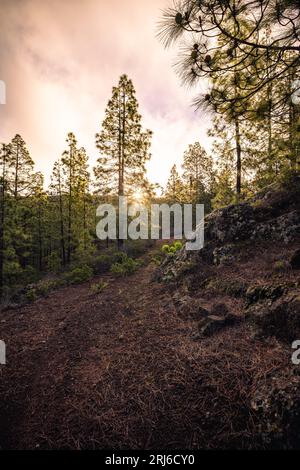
59,60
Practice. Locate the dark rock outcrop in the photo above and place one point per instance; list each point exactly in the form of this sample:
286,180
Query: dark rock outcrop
273,216
280,319
295,260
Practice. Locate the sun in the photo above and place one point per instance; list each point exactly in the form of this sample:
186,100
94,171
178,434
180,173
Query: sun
138,195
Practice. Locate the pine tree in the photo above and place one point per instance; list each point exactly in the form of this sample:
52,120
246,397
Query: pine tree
175,188
4,156
122,143
22,179
198,173
57,191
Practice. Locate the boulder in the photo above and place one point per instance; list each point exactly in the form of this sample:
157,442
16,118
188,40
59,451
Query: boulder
213,323
277,406
219,309
280,319
259,293
295,260
189,308
224,255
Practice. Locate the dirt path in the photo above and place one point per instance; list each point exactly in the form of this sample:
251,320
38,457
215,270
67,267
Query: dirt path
85,370
121,369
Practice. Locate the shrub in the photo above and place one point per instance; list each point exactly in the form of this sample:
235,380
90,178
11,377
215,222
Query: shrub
119,257
79,274
281,266
44,287
157,259
54,262
31,295
178,245
102,264
137,248
172,249
98,287
126,267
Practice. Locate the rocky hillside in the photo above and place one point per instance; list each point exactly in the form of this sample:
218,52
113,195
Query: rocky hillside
246,281
194,355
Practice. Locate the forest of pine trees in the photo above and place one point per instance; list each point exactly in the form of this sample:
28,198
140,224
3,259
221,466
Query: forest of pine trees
255,137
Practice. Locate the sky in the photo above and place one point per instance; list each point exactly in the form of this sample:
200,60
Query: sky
59,60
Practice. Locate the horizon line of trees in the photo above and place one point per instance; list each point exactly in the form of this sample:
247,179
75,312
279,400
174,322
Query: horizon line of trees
47,230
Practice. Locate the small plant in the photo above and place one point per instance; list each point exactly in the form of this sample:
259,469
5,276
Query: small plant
31,295
178,245
102,263
165,249
98,287
119,257
44,287
79,274
126,267
281,266
157,259
170,250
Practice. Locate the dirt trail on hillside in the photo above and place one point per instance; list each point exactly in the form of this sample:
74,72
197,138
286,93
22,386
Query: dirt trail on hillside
76,356
120,369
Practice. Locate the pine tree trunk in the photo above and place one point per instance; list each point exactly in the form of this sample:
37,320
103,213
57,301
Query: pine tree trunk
62,234
70,208
2,219
84,222
17,173
292,119
269,119
237,131
121,158
238,157
40,239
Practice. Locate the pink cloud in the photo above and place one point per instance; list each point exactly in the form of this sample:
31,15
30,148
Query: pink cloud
60,59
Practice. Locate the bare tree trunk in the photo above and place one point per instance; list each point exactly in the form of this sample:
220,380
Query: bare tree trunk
84,221
2,220
238,157
17,173
122,119
70,207
61,213
40,237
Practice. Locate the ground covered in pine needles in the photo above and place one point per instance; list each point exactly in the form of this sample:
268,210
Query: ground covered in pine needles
122,369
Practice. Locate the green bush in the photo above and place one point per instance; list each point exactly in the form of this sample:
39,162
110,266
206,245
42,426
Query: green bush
178,245
79,274
165,249
137,248
44,287
102,263
54,262
119,257
157,259
172,248
281,266
31,295
126,267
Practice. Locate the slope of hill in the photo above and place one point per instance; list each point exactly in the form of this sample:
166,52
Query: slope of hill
195,354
